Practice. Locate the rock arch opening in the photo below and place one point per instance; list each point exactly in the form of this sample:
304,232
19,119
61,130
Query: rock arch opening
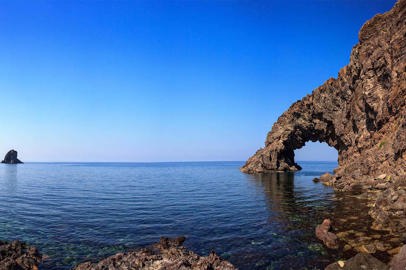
361,113
315,151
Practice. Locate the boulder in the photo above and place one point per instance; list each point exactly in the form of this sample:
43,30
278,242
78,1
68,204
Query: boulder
359,262
398,261
323,233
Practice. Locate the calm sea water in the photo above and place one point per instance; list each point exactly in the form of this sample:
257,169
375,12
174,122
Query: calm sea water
79,211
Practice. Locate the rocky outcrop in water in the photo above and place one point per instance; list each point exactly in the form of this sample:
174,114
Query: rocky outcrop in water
11,158
361,113
16,255
168,254
324,234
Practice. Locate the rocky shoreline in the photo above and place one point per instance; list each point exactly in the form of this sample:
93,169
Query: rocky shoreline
168,254
16,255
362,114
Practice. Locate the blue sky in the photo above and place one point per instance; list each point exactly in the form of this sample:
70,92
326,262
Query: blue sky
164,80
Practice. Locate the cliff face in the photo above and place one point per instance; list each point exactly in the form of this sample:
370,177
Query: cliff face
362,113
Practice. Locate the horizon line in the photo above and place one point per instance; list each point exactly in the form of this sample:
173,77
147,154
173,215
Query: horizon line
175,161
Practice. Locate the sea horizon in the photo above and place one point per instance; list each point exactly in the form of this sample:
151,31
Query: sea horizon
188,161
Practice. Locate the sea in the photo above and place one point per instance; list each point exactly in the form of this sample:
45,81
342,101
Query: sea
75,212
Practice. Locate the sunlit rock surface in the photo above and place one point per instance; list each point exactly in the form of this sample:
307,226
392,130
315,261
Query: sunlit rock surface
361,113
16,255
168,254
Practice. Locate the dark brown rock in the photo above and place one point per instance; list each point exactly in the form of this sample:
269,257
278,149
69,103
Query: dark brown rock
359,261
324,234
16,255
11,158
361,113
168,254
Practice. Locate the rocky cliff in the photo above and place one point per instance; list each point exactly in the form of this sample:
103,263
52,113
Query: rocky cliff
361,113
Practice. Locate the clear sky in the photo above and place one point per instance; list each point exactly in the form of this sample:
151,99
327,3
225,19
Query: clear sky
164,80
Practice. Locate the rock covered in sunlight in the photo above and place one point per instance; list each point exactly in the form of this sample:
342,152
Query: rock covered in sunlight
361,113
323,232
168,254
16,255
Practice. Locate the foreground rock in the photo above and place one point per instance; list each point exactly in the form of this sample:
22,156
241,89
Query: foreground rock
16,255
359,261
367,261
389,208
168,254
398,262
324,234
11,158
362,113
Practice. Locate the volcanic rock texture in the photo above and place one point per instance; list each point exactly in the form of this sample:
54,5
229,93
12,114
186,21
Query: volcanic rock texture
362,113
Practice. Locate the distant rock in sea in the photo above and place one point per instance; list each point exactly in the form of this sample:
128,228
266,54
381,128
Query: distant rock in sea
11,158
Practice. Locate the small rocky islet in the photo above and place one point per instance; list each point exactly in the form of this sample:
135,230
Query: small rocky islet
11,158
362,114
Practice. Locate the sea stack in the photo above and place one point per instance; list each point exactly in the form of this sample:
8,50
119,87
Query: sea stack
11,158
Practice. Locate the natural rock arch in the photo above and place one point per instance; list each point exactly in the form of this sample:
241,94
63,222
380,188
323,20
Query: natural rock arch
304,121
362,113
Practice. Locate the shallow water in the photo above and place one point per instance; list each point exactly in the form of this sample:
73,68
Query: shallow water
79,211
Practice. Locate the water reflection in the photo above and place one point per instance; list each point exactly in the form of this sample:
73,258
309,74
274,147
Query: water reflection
296,205
292,203
10,178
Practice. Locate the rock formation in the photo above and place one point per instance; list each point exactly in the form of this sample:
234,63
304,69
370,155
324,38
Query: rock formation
367,261
323,232
398,262
11,158
359,261
16,255
168,254
361,113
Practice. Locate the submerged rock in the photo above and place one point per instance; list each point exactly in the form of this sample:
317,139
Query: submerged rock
323,233
11,158
168,254
16,255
